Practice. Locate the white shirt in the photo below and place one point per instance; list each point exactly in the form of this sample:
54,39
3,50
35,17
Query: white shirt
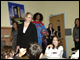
24,29
54,52
76,55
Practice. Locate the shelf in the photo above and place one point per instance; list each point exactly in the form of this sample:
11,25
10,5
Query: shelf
5,37
6,27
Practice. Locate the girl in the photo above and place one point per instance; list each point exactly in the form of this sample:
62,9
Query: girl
26,33
51,32
39,25
56,48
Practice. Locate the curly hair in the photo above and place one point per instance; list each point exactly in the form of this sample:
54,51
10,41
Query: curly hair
41,16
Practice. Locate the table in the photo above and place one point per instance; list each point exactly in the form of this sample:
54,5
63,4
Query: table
53,57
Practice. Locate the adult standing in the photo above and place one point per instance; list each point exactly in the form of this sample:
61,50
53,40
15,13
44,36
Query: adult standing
27,32
13,37
51,32
76,33
38,17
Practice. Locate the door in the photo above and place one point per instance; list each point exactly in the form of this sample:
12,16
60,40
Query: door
58,25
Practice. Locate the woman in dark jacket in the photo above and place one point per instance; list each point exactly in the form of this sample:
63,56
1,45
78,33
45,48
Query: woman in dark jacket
51,32
26,32
76,33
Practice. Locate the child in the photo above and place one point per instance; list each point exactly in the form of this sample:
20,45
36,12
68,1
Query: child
7,52
56,48
34,51
76,55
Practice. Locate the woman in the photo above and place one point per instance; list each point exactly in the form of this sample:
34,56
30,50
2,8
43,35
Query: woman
26,33
76,33
56,48
51,32
39,25
14,33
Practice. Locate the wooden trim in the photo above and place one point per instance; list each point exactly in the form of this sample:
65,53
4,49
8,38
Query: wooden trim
4,37
6,27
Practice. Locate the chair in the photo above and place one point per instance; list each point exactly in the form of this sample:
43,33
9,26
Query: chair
63,56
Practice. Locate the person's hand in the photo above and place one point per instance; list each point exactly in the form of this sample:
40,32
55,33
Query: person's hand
45,34
46,37
22,51
52,34
50,45
18,47
77,40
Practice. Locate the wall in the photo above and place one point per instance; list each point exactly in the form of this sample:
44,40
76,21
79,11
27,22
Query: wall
47,8
29,6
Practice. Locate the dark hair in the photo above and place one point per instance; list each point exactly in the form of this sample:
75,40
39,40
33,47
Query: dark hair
13,29
60,44
41,16
6,51
34,50
49,26
75,22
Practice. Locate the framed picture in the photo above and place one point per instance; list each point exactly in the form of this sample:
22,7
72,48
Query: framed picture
16,13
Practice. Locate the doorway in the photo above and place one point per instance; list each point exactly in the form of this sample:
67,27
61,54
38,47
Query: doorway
58,22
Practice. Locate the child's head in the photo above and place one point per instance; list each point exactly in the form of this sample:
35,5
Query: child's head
34,51
7,52
56,42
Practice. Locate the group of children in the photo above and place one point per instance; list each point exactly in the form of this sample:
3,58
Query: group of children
34,51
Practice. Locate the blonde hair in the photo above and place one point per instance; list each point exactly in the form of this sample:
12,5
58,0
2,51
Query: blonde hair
28,13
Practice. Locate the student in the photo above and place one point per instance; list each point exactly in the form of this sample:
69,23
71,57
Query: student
34,51
7,52
76,55
13,37
76,33
51,32
56,48
38,17
27,32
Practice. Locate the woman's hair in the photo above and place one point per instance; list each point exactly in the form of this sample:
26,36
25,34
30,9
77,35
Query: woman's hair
34,50
41,16
6,51
13,29
49,26
75,22
59,40
28,13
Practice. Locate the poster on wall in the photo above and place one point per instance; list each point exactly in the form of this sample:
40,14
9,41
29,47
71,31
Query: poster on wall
16,12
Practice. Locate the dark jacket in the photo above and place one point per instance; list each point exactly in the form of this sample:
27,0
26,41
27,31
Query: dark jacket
75,33
50,33
23,39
